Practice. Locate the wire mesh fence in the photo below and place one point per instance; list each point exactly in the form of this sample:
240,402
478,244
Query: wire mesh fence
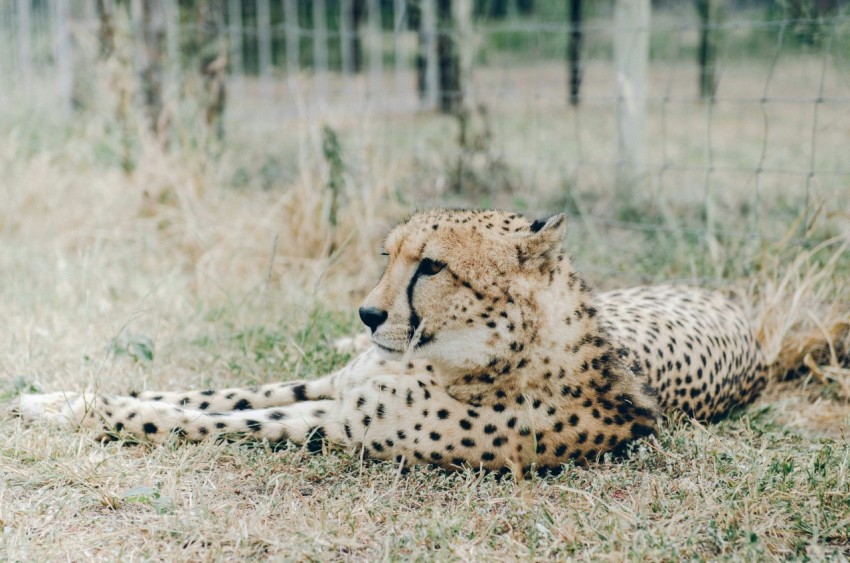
718,123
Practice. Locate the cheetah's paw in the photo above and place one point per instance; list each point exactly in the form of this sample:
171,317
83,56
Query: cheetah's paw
353,344
57,407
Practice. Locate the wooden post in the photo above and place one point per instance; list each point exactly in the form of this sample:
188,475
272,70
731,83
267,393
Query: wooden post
212,62
105,28
351,12
292,33
465,47
264,47
400,53
707,54
344,36
172,48
631,52
83,15
448,65
574,50
376,67
60,15
234,32
25,43
320,49
149,26
427,58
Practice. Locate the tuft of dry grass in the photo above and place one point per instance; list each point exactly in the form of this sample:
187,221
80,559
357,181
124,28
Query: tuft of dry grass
802,314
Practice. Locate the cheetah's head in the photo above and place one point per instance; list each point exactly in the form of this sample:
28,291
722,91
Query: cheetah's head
458,285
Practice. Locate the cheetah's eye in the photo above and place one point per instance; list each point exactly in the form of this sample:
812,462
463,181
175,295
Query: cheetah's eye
385,253
428,267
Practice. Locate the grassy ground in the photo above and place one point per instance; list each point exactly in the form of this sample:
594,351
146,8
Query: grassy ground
218,267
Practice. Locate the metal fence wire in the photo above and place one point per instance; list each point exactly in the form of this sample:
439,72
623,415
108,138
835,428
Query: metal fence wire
720,114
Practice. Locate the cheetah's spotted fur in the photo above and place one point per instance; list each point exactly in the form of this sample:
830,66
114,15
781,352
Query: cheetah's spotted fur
489,351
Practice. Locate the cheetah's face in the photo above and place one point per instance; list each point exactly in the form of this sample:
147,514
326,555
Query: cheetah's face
452,288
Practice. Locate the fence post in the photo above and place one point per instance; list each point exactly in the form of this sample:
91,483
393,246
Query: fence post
25,43
264,46
293,38
234,28
708,12
84,18
574,50
344,34
631,53
465,45
376,69
149,32
320,49
60,15
448,60
351,12
172,48
426,60
400,53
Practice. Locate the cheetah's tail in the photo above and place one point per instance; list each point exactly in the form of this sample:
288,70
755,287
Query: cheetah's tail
803,316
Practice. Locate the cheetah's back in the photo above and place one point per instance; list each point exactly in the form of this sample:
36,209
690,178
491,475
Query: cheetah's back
695,347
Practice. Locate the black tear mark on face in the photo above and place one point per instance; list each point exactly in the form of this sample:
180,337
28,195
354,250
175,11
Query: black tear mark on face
427,268
415,319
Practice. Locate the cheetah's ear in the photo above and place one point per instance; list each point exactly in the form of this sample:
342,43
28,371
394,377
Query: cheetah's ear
544,242
555,223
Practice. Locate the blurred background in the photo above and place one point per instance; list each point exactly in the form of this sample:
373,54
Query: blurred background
686,140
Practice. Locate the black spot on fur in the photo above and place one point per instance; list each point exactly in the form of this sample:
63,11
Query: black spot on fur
242,405
315,437
300,392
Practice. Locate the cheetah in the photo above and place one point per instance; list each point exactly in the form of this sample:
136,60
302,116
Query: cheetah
489,351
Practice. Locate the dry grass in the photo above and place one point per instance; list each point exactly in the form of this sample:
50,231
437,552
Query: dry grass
211,269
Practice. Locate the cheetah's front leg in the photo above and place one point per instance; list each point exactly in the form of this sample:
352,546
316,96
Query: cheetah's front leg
157,421
413,420
238,399
273,394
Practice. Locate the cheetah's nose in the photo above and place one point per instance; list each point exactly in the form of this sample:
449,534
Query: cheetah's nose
372,317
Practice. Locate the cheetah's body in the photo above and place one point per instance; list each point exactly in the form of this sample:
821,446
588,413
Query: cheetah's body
490,351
